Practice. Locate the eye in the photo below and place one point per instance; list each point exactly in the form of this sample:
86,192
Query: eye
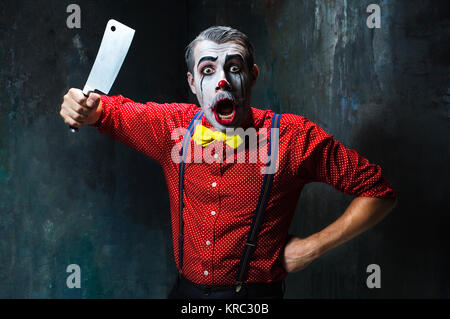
207,70
235,68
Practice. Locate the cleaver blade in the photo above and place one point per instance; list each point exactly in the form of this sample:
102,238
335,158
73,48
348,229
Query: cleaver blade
113,49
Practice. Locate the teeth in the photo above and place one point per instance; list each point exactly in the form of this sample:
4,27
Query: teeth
225,117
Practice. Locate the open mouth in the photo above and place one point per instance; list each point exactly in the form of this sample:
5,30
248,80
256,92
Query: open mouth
224,111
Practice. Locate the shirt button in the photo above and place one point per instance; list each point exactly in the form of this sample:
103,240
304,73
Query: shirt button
213,213
206,273
208,243
216,155
214,184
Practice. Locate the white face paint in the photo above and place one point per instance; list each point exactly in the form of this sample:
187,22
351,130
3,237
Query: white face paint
224,106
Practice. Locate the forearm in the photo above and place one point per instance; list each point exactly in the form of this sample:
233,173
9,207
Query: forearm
360,215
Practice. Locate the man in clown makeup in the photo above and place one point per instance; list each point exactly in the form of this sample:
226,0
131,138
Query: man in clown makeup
230,218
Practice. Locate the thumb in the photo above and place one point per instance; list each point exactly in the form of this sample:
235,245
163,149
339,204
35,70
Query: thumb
93,100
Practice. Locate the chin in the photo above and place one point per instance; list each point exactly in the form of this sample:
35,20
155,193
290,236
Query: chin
217,125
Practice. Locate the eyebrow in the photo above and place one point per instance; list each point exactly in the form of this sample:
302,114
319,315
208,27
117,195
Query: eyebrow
206,58
234,56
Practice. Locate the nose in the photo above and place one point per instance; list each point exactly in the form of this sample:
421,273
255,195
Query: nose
224,85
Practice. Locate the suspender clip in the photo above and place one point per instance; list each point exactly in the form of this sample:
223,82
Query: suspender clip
239,286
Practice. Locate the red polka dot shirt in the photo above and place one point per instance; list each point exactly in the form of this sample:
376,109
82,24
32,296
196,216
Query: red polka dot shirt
221,195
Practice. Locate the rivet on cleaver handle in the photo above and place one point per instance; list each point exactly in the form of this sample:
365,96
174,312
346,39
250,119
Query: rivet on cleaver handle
113,49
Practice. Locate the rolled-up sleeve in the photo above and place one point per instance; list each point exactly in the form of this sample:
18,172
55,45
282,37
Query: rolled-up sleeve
349,172
324,159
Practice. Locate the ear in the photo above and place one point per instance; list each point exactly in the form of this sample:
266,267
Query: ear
191,82
254,72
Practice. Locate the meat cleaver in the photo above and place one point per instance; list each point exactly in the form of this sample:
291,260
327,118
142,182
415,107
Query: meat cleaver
113,49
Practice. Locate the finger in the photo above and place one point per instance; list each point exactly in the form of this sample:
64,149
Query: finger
76,115
78,108
77,95
70,121
93,100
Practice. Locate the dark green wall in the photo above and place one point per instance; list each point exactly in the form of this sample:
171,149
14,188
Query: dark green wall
87,200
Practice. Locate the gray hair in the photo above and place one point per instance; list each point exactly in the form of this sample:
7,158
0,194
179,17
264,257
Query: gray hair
219,35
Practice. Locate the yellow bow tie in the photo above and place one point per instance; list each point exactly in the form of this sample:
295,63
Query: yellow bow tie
205,136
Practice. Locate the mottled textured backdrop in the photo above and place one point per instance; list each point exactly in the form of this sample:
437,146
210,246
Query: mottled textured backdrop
87,200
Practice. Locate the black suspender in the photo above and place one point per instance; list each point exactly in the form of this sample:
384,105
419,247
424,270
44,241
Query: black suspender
250,245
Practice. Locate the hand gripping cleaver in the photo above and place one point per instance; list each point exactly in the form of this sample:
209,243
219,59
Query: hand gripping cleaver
113,49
